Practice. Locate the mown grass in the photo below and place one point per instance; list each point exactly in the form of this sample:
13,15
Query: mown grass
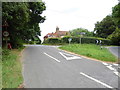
91,50
11,69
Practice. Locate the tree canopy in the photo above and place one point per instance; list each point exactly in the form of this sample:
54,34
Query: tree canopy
109,27
23,20
115,36
104,28
77,32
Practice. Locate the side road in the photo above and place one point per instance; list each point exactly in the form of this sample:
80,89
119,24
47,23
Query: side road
115,50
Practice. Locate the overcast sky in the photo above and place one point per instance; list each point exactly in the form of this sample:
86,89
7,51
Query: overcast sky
72,14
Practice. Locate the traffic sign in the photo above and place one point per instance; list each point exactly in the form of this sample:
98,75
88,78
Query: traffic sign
70,39
6,33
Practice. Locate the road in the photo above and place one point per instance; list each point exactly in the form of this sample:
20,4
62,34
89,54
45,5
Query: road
115,50
50,67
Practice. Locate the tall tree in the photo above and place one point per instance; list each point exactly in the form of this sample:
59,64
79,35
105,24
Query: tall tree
77,32
23,19
115,36
105,27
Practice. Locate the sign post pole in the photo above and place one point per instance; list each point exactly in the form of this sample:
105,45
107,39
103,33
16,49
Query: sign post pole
70,39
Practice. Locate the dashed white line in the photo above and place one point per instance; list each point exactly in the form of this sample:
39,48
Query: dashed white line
95,80
52,57
104,63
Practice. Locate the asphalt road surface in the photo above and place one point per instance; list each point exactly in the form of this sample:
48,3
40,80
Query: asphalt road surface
115,50
50,67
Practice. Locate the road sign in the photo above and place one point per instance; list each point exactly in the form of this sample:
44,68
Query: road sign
70,39
6,38
6,33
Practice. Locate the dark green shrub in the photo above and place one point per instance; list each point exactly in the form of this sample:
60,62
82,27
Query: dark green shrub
65,39
86,40
52,40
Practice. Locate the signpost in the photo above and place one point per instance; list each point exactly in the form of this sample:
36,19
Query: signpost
70,39
81,34
5,33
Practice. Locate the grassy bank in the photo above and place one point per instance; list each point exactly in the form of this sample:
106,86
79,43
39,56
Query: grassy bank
90,50
0,69
11,69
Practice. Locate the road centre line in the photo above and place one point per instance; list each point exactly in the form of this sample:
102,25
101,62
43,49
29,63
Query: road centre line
52,57
95,80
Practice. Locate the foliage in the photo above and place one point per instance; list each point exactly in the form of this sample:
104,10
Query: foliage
76,32
116,14
65,39
115,37
91,50
5,52
87,40
104,28
12,70
23,20
53,40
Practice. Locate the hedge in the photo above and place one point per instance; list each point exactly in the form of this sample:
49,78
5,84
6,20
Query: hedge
84,40
52,40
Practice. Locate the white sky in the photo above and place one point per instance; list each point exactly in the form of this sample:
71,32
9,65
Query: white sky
72,14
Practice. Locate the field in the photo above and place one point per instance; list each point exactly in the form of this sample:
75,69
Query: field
91,50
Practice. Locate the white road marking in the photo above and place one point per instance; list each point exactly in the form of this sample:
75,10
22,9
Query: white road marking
71,56
115,64
117,73
105,63
95,80
111,68
52,57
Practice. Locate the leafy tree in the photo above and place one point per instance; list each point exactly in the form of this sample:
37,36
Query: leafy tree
115,36
76,32
116,14
23,19
104,28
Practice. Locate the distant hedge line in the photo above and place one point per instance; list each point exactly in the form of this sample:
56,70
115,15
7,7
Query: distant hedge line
84,40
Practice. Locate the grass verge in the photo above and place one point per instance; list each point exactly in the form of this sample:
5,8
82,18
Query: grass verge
0,68
91,50
11,69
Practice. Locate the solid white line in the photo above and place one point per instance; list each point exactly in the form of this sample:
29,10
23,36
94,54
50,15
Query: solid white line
96,80
63,55
52,57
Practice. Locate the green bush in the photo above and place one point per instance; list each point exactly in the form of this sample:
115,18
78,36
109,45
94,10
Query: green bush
52,40
86,40
65,39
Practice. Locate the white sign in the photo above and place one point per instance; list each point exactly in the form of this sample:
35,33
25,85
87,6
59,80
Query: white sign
5,33
70,39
